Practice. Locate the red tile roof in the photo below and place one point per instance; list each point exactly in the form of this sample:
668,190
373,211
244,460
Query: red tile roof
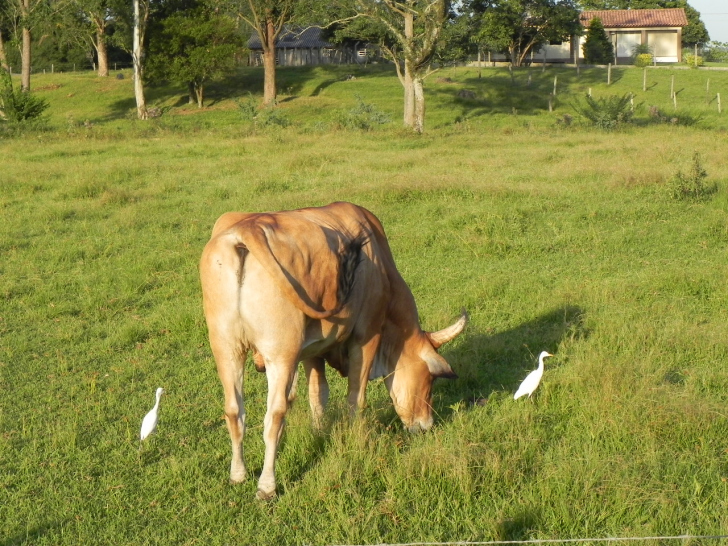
636,18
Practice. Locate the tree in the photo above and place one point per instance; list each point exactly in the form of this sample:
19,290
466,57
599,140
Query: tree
694,33
597,48
520,26
141,18
408,34
267,18
194,47
90,23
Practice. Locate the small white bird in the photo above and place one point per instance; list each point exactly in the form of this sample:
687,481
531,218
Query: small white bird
150,419
533,379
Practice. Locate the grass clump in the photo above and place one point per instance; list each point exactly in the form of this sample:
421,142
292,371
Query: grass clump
691,185
364,116
606,112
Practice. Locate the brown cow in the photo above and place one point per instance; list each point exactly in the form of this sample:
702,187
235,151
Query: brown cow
314,285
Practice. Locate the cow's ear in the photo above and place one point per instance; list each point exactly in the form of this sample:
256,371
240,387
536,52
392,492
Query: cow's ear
439,367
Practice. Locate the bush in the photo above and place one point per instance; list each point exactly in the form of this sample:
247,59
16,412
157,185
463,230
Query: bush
606,113
597,48
642,55
691,185
18,106
691,60
364,116
643,59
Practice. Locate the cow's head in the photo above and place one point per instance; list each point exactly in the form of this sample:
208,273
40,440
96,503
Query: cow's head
410,384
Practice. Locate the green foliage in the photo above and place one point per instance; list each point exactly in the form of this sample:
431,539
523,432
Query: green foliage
194,47
608,112
693,61
642,60
520,26
691,185
597,48
642,55
17,106
717,52
364,116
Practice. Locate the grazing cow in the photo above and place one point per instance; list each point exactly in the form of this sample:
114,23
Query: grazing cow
315,285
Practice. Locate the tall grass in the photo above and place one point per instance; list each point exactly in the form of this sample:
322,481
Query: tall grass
564,239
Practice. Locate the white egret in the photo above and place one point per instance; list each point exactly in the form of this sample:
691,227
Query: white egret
533,379
150,419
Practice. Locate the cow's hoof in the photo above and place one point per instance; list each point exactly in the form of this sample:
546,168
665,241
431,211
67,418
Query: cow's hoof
263,496
238,477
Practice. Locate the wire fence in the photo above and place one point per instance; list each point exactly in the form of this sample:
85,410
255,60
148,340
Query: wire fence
549,541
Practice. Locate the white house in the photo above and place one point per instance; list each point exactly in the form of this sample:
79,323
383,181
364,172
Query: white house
660,29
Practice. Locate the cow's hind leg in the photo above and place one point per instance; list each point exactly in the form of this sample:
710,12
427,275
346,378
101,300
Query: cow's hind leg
280,377
230,370
318,388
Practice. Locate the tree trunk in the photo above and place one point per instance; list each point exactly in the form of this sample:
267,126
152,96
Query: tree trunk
25,62
3,57
408,80
419,105
192,99
268,40
102,53
137,56
200,94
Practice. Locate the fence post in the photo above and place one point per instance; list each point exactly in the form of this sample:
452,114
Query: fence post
644,79
719,109
609,74
672,86
589,92
551,103
707,92
556,79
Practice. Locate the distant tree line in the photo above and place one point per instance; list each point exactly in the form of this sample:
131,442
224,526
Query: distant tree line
194,41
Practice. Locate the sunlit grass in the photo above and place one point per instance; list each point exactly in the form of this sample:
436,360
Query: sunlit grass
564,239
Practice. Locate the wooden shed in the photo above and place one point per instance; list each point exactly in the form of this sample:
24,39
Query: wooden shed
660,29
300,47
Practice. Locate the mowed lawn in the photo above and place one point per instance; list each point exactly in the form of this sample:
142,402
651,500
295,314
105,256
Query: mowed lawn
553,237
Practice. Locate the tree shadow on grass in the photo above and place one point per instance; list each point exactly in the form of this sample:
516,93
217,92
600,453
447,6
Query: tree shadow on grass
524,91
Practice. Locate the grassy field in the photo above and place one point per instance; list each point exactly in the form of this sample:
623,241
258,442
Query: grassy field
554,237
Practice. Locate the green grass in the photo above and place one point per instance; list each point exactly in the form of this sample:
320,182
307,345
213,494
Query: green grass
553,237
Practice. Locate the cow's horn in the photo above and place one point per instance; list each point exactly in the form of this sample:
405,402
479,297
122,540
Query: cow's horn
441,337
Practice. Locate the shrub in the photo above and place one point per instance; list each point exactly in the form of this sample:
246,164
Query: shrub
691,60
597,47
643,59
691,185
18,106
606,113
642,55
364,116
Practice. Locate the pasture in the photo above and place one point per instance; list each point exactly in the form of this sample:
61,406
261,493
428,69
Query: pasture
553,237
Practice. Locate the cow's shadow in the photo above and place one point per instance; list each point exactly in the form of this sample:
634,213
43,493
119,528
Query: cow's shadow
488,363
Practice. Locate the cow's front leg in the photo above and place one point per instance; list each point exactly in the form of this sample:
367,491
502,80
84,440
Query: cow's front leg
318,388
280,380
361,358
